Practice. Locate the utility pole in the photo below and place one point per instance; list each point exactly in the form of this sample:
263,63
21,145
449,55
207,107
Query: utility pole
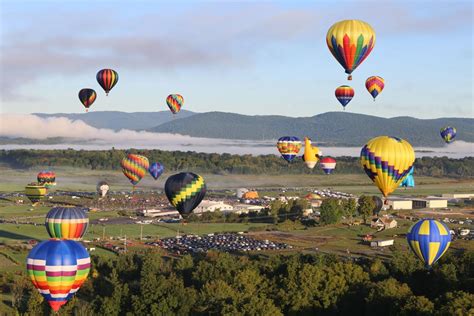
125,244
103,232
141,231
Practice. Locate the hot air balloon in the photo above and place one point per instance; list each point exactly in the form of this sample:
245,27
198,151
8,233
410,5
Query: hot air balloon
102,188
135,167
47,178
375,85
350,42
289,147
448,133
387,160
378,204
66,222
409,181
429,239
35,192
185,191
175,102
344,95
156,170
328,164
311,154
107,78
57,269
87,97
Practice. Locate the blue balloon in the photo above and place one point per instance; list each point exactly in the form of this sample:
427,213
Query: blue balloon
156,170
409,181
448,134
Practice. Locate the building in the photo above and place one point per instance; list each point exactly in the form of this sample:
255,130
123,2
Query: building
212,206
381,243
400,204
159,213
245,208
430,202
383,223
458,195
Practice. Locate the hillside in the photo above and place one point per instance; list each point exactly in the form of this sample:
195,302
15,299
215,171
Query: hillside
121,120
337,128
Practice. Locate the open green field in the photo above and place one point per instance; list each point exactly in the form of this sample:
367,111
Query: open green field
86,180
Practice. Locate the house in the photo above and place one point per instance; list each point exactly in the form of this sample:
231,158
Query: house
383,223
381,243
212,206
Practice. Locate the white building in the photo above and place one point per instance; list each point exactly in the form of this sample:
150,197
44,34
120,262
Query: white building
245,208
212,206
159,213
381,243
400,204
458,195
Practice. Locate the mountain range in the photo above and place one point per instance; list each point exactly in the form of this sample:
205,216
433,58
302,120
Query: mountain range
331,128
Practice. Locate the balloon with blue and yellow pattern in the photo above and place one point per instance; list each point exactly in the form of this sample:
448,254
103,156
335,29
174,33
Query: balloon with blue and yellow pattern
350,42
429,239
387,160
185,191
289,147
448,133
134,167
374,85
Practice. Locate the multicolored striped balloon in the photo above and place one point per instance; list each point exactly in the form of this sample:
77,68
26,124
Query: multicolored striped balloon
350,42
289,147
328,164
107,78
87,97
387,160
47,178
344,95
175,102
66,222
156,170
57,269
185,191
375,85
135,167
35,192
448,133
429,239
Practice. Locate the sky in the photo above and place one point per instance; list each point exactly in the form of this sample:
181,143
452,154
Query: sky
248,57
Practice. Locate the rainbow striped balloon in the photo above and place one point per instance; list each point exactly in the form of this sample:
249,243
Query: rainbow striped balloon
175,102
87,97
66,222
350,42
57,269
375,85
135,167
387,160
429,239
107,78
47,178
344,95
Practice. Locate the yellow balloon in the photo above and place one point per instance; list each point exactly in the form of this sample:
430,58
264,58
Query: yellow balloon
311,154
350,42
387,160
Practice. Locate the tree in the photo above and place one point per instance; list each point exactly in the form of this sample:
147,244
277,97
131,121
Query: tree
349,207
366,206
331,211
457,303
386,297
417,306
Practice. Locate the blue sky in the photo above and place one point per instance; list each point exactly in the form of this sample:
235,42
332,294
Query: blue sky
245,57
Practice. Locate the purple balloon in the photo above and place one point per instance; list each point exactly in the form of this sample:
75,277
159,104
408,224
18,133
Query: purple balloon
156,170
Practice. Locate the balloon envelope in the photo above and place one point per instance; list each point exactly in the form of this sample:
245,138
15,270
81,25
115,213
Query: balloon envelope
185,191
35,192
448,133
350,42
66,222
311,154
102,188
378,204
387,160
289,147
344,95
374,85
107,78
87,97
156,170
134,167
429,239
57,269
175,102
328,164
47,178
409,180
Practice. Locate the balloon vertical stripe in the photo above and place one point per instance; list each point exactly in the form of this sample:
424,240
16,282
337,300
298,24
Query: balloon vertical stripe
107,78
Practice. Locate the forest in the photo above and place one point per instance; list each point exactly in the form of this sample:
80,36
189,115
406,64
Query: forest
217,163
151,283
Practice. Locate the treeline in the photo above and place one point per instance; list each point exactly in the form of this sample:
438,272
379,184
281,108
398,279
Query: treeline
225,284
217,163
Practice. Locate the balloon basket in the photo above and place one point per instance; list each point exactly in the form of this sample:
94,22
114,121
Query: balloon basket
349,77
